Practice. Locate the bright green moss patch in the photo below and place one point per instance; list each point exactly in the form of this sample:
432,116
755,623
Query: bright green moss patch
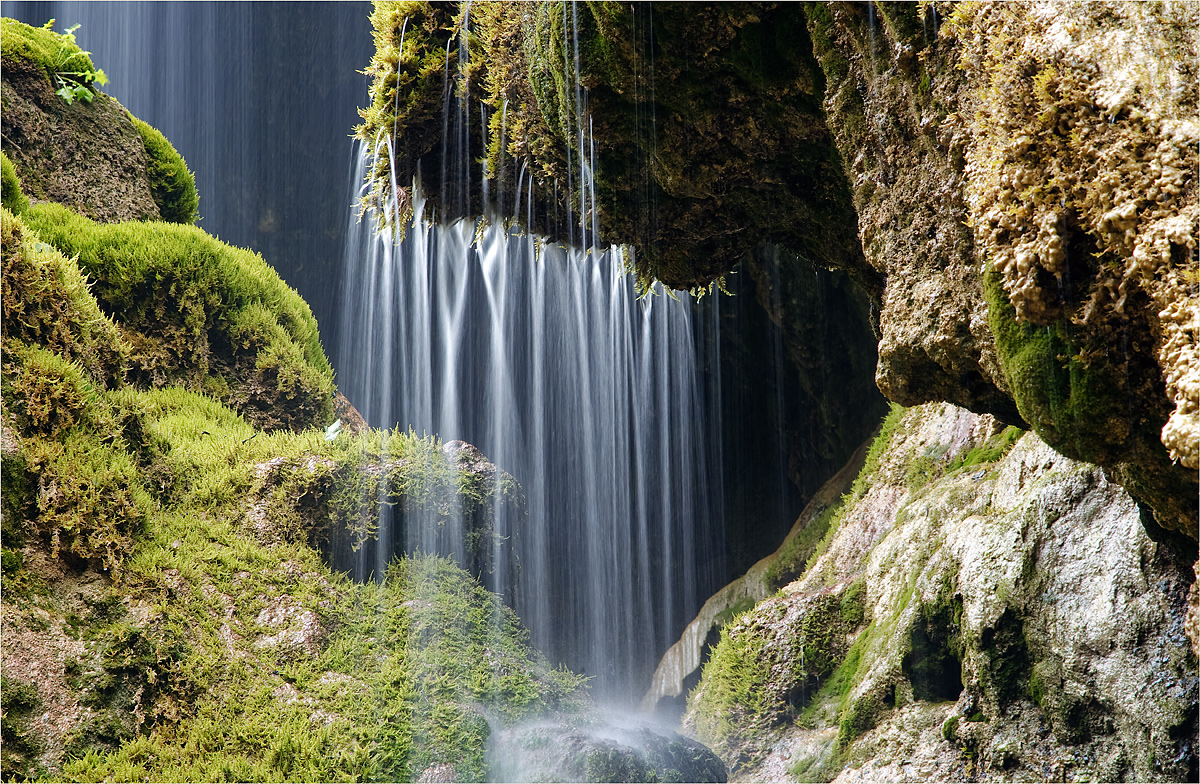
992,450
91,500
54,53
1063,381
197,310
767,666
18,751
11,194
171,184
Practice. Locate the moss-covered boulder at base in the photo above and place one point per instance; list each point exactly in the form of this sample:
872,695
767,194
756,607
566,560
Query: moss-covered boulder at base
167,616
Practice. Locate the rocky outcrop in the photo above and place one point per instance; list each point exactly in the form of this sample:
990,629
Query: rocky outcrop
1035,125
694,137
990,614
88,152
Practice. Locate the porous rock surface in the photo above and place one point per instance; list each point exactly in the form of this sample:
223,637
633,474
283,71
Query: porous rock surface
87,156
1018,624
1052,145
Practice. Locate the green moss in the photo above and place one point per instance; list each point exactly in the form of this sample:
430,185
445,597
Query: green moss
47,301
797,551
729,614
19,750
402,682
42,46
195,307
171,184
11,194
923,469
760,674
991,451
853,609
1061,382
50,395
732,702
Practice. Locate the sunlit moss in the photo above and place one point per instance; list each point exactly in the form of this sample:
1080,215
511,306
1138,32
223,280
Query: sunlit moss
47,301
51,51
11,195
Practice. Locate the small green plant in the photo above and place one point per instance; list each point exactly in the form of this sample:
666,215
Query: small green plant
75,85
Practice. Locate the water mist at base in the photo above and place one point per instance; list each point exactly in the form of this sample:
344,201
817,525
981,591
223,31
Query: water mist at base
546,359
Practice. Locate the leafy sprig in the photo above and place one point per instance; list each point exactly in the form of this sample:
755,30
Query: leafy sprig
75,85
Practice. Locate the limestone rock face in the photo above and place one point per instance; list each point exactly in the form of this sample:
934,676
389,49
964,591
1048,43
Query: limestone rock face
1013,618
906,173
1023,177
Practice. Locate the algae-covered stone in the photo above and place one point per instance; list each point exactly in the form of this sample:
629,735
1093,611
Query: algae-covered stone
203,314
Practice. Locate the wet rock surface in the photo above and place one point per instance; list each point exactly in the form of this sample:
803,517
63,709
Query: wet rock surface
599,748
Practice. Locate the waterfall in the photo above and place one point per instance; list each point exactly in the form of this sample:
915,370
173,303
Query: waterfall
545,358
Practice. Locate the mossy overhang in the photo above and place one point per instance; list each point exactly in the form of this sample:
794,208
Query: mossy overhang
703,124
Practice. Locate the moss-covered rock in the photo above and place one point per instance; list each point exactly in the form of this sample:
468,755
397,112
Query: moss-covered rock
86,154
47,301
693,160
177,628
202,314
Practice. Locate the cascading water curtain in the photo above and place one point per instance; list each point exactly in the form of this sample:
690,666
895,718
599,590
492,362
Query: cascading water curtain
546,359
